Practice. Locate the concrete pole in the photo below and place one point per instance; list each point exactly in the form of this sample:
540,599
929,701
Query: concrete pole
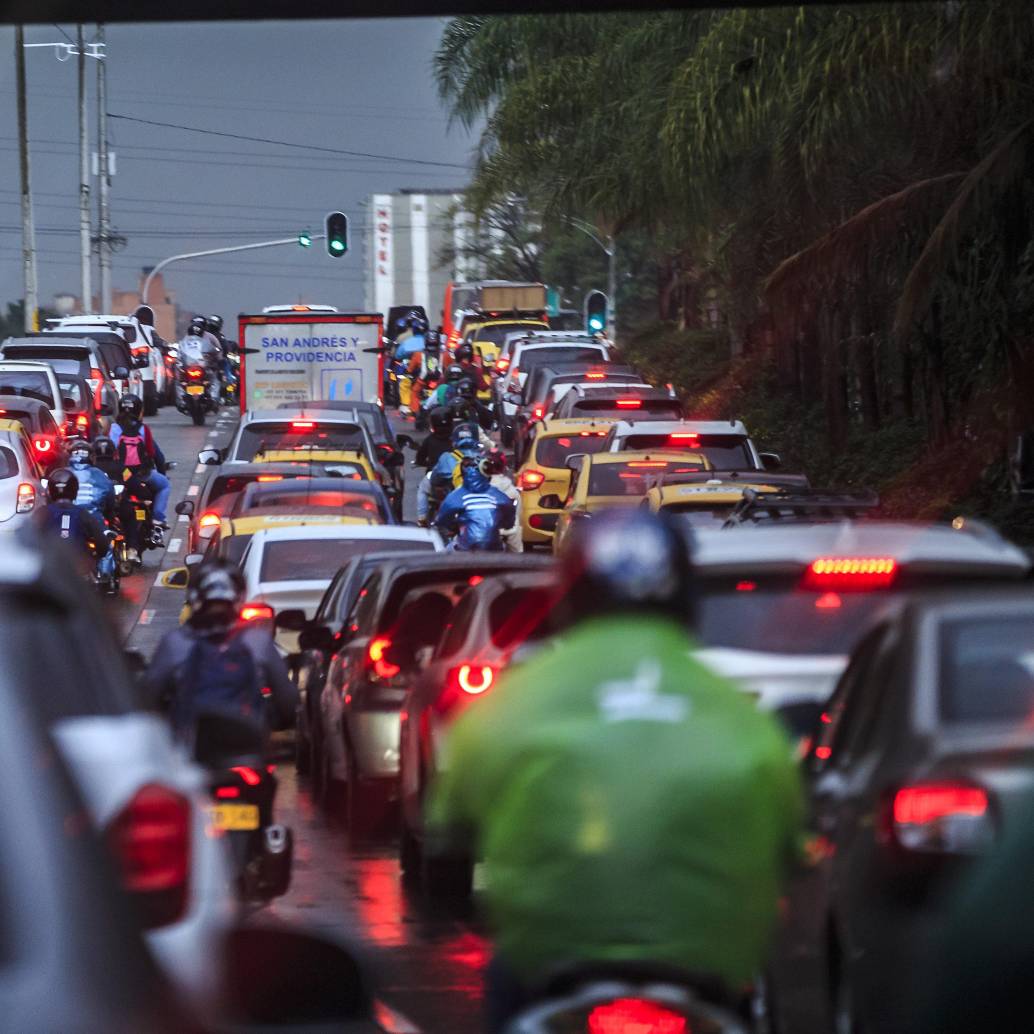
104,180
29,284
85,283
612,289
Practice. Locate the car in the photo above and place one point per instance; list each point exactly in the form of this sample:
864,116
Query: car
123,368
21,480
497,622
703,499
346,498
399,611
780,607
511,340
604,480
485,333
919,768
544,479
48,439
725,443
33,381
82,417
286,310
618,401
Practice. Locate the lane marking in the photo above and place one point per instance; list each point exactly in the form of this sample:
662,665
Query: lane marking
146,617
199,469
175,545
214,434
193,490
183,518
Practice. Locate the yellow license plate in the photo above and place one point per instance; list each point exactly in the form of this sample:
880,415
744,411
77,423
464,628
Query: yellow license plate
195,389
233,816
141,515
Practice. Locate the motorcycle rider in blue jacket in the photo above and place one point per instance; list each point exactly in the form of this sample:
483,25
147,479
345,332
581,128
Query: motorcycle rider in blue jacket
475,512
442,474
96,494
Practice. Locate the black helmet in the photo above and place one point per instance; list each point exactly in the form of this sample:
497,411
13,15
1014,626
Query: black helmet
441,420
465,390
453,373
81,451
144,315
494,463
197,326
628,560
104,448
432,340
433,376
416,322
215,324
215,595
62,484
464,353
130,405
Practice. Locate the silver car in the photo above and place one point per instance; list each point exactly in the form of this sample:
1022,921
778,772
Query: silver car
21,481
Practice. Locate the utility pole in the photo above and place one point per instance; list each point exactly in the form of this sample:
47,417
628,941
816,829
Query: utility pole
30,287
85,285
104,181
610,250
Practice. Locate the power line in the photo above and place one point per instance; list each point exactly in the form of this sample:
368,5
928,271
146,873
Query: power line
288,143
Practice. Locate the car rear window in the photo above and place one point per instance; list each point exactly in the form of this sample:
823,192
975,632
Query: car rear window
26,416
496,333
72,388
663,409
8,463
361,504
302,560
284,435
26,383
634,477
725,451
987,670
518,616
559,354
67,360
228,484
698,516
553,451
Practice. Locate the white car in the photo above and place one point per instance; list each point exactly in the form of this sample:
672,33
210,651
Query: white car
34,381
21,485
782,604
724,442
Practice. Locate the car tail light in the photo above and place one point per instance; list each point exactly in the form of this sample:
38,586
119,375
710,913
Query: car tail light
150,839
502,365
227,792
377,655
256,612
474,679
684,436
628,403
942,817
635,1016
42,445
265,478
302,425
648,463
194,373
530,478
595,376
209,520
248,775
856,572
538,412
515,372
26,498
82,422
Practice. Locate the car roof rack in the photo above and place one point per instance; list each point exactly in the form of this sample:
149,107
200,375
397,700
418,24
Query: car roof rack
808,504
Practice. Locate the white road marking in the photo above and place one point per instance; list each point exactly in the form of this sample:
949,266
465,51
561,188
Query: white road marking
175,545
213,434
200,469
193,490
146,617
183,518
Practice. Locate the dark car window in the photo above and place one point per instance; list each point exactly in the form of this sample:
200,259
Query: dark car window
365,607
553,451
666,409
458,627
63,360
725,451
26,416
227,484
494,333
110,345
634,477
518,616
313,559
532,357
987,670
419,623
359,504
27,384
276,435
8,463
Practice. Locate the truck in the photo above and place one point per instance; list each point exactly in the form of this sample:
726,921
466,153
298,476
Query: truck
488,296
306,355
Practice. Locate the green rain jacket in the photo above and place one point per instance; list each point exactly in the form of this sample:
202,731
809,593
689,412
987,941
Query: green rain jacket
628,803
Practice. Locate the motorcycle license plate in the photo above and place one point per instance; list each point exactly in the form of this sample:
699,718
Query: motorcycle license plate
233,816
141,515
195,389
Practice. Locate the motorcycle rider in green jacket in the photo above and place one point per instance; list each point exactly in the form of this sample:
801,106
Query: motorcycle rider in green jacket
629,804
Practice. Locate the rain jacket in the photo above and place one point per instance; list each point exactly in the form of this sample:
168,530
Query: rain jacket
96,491
405,348
629,805
476,512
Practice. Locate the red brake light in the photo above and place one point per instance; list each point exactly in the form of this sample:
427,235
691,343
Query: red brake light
82,420
26,498
475,579
194,372
931,802
635,1016
382,667
647,463
209,520
302,425
42,445
942,817
629,403
263,478
538,412
474,679
227,792
515,371
150,838
595,376
684,436
746,586
256,612
502,365
851,572
249,775
531,478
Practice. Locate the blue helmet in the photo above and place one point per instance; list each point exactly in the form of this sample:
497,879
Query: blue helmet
464,436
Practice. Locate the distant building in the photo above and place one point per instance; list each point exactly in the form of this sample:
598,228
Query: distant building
405,235
124,303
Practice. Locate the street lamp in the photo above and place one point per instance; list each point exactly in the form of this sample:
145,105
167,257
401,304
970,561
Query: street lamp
609,249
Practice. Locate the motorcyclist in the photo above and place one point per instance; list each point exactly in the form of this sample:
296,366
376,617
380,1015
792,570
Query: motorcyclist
445,475
106,460
630,805
139,453
409,354
69,520
467,407
96,489
200,348
493,466
438,441
215,596
464,357
446,390
475,513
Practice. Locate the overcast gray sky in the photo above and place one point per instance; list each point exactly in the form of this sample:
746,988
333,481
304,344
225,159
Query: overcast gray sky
353,85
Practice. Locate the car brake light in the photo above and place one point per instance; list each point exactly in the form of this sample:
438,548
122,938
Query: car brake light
42,445
82,421
209,520
248,775
942,817
26,498
746,586
302,425
595,376
474,679
475,579
531,478
647,463
635,1016
538,412
256,612
629,403
150,838
591,434
382,667
265,478
872,572
684,436
228,792
515,371
502,365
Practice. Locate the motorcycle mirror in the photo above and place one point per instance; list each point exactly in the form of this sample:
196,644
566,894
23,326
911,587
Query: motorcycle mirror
185,508
120,373
293,620
404,441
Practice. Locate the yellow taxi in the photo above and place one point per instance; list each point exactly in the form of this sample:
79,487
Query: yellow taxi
346,463
486,336
705,502
613,479
544,477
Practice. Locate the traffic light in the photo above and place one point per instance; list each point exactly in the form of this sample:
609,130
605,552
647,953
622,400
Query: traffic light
305,239
595,312
337,234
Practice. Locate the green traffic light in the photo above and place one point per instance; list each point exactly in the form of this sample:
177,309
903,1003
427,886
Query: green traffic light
305,240
337,245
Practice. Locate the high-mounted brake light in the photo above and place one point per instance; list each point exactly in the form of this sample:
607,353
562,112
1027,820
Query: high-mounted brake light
264,478
635,1016
629,403
530,478
26,498
302,425
256,612
249,775
867,572
209,520
474,679
227,792
942,817
683,436
593,376
647,463
591,434
382,667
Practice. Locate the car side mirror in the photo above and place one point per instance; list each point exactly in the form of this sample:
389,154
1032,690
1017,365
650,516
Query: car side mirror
174,578
185,508
404,441
67,403
770,460
120,373
316,637
574,462
291,620
210,457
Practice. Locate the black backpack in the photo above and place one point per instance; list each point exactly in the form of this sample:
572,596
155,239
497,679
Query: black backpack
219,676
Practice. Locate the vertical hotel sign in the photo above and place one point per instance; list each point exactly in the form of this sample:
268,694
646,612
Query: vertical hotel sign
383,256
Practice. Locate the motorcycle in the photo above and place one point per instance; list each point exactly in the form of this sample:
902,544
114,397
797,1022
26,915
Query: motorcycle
231,385
394,372
107,577
243,787
149,535
620,996
195,395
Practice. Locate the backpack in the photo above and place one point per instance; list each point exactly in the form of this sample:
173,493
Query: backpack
132,448
219,675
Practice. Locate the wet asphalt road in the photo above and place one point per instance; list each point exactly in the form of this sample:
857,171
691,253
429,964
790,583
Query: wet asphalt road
428,964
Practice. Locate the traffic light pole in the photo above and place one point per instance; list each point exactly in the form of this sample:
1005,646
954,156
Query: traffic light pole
218,251
610,250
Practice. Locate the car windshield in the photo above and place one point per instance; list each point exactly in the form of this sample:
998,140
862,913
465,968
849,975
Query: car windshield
987,671
358,504
633,477
316,559
28,384
227,484
287,435
496,333
553,451
725,451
